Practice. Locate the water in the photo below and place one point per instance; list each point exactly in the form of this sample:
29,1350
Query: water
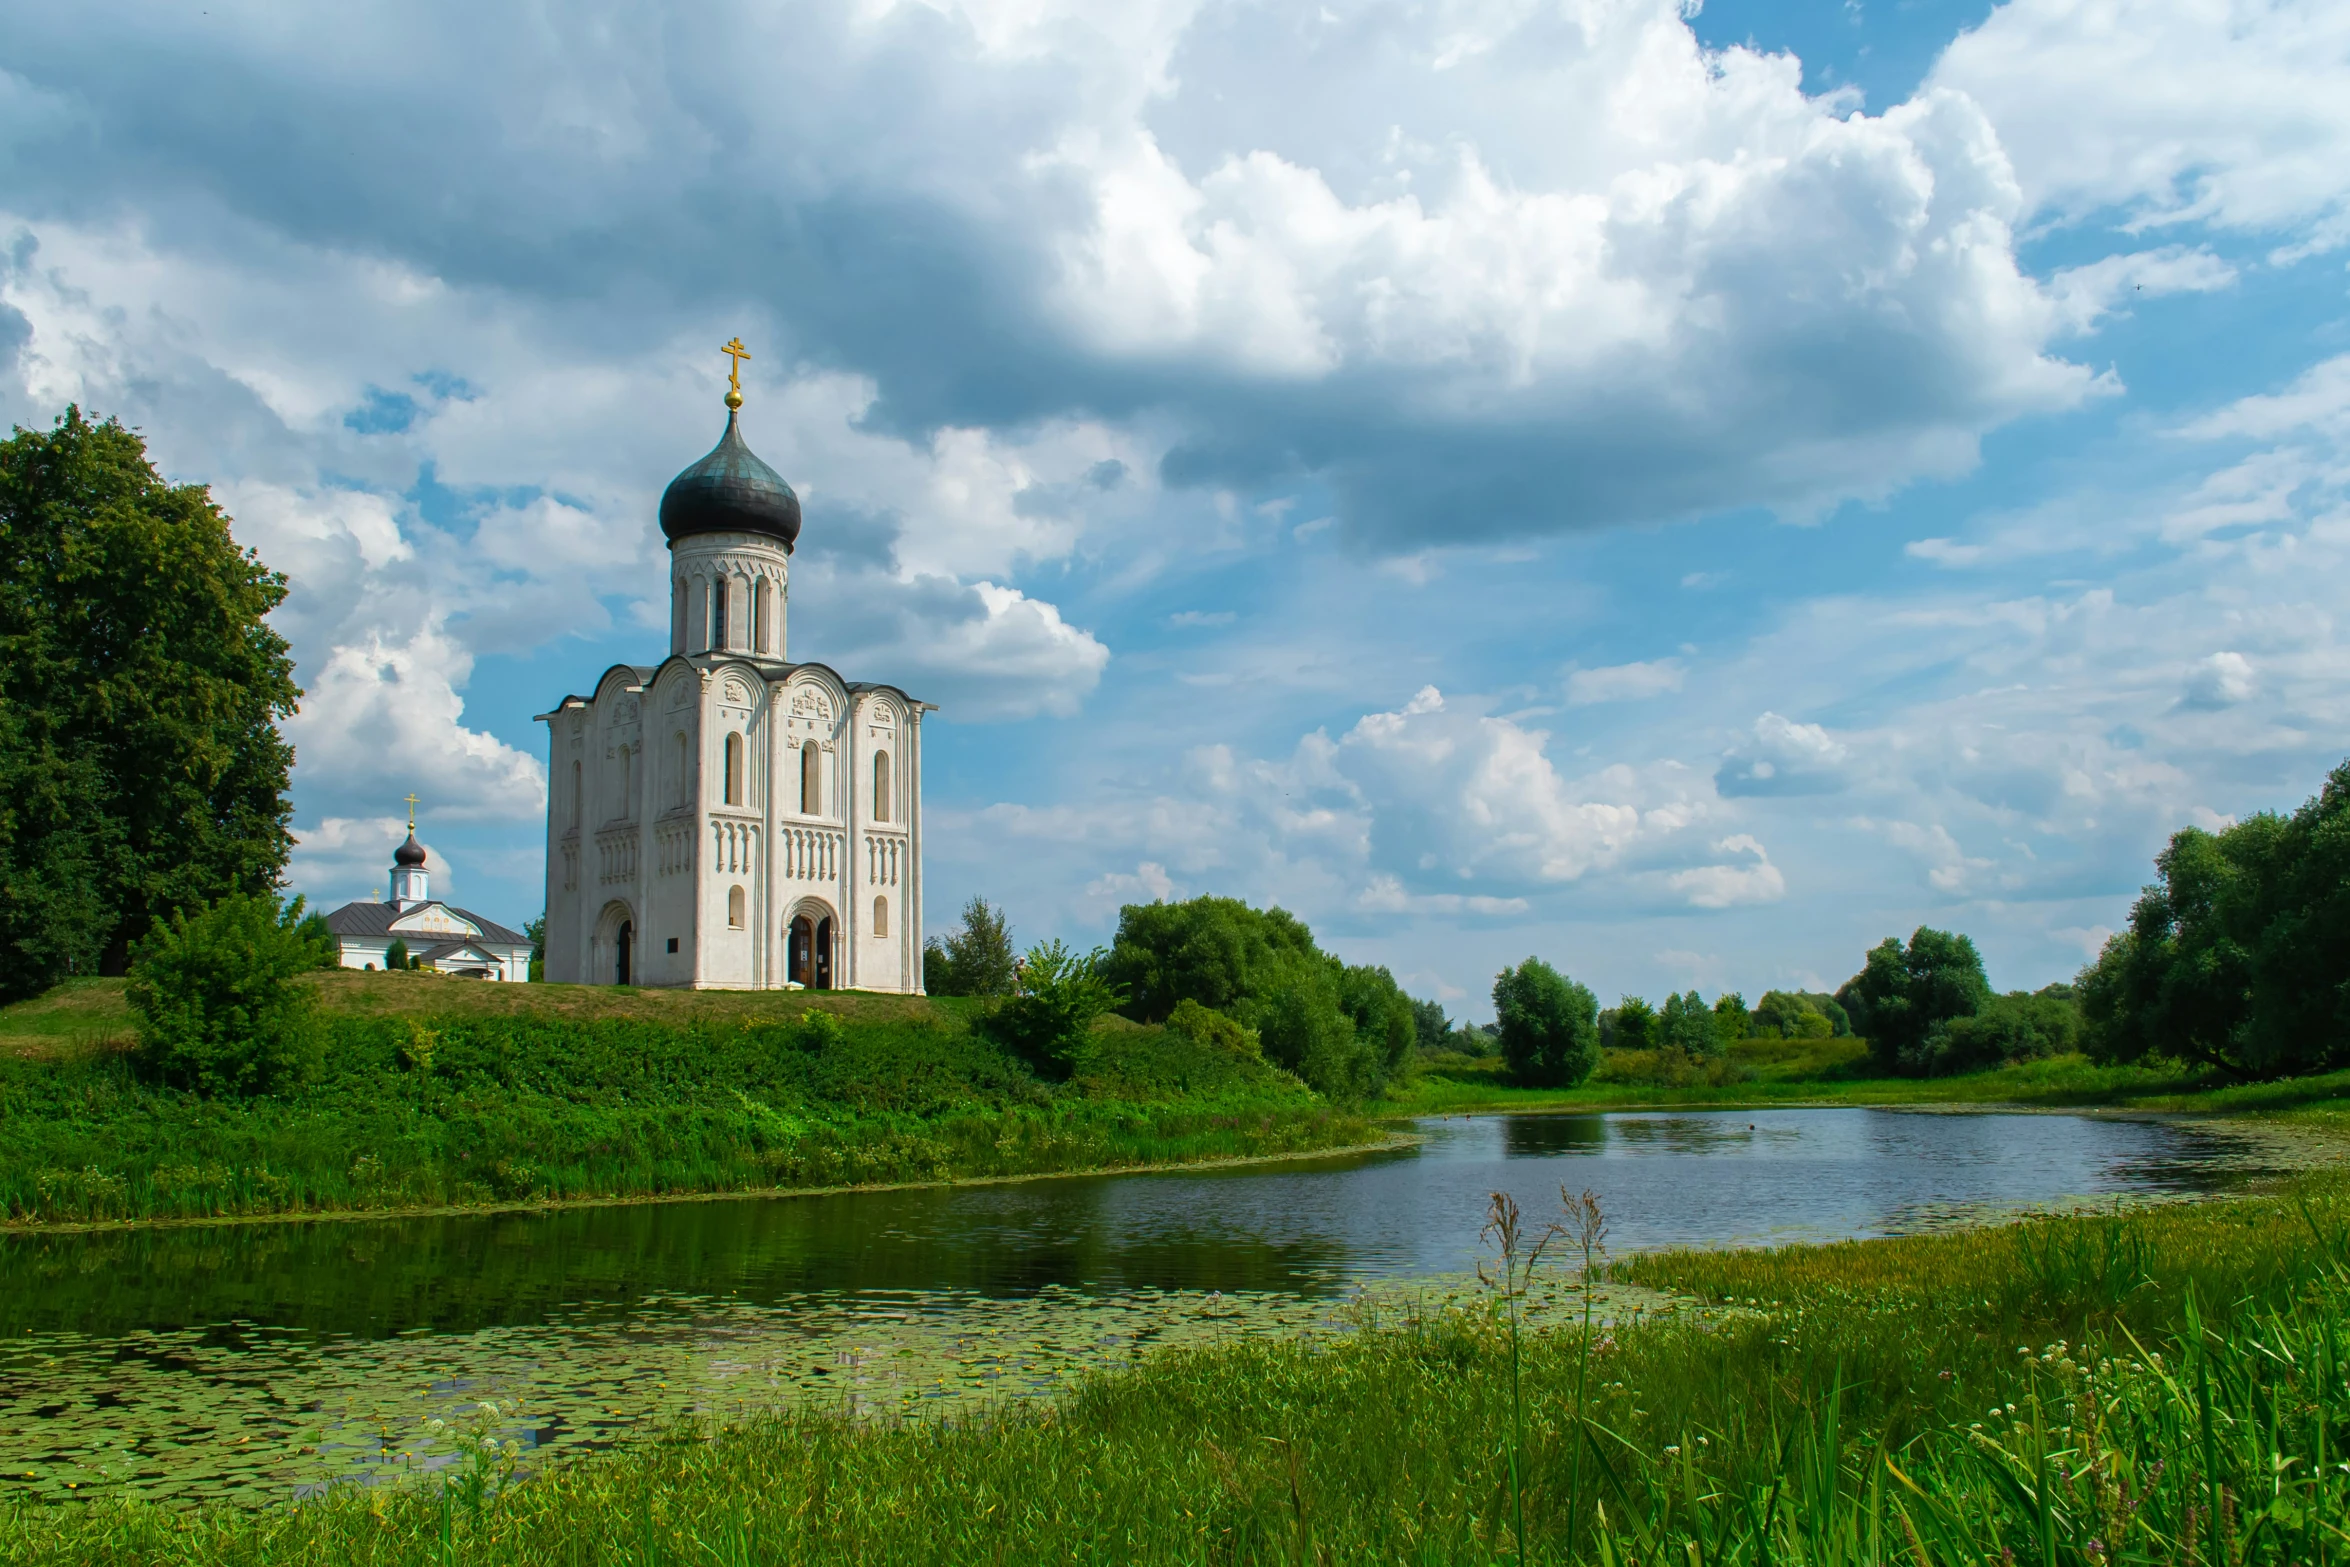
263,1360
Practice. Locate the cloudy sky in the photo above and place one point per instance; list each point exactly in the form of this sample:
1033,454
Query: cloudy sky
1684,492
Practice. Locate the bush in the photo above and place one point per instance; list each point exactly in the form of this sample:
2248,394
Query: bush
1212,1030
1549,1025
2019,1026
218,1007
396,955
1795,1014
1058,997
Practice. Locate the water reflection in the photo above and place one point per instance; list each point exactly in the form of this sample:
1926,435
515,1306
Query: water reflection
212,1359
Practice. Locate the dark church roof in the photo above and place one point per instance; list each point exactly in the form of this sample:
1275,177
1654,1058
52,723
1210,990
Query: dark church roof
730,491
409,853
376,919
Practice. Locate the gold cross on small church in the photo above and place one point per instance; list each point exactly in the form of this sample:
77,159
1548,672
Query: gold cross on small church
412,812
736,354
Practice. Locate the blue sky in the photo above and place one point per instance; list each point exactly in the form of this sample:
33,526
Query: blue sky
1686,494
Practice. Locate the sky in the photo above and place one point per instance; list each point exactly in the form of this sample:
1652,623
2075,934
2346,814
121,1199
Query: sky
1682,492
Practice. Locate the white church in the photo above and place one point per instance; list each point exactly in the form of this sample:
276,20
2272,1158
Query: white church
437,935
728,819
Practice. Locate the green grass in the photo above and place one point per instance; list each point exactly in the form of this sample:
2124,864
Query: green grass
440,1092
1835,1071
2164,1386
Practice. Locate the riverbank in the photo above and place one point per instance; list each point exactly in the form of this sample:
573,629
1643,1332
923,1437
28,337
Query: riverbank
440,1094
2168,1385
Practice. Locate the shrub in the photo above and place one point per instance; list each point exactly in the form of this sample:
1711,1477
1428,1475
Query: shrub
1212,1030
219,1009
2019,1026
396,955
1047,1017
1549,1025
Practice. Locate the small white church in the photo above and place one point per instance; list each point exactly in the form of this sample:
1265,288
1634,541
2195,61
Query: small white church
435,935
728,819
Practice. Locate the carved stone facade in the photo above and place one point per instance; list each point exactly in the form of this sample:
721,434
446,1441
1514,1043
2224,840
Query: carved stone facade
728,819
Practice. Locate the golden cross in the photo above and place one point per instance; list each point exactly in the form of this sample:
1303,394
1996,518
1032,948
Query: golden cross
736,354
411,812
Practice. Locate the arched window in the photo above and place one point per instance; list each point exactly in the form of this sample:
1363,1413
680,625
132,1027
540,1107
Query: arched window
881,916
811,779
759,615
677,618
683,786
881,786
578,794
734,908
734,769
627,784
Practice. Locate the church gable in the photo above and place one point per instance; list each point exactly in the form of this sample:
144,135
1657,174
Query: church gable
433,919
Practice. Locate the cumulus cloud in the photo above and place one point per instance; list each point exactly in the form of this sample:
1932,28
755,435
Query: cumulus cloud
1745,875
2234,113
2222,680
1782,757
345,859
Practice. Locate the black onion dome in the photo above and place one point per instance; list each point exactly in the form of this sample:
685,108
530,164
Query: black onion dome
409,853
730,491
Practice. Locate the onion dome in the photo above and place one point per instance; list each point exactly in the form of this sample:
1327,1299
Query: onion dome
410,853
730,491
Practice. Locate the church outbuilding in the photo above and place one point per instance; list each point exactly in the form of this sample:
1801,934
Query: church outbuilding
729,819
435,934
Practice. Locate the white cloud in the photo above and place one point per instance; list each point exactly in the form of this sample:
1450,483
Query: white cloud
1625,682
1781,756
1747,877
343,859
2222,680
2228,112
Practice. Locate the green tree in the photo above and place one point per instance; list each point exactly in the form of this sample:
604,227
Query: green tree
1431,1029
1686,1023
1901,993
219,1009
976,959
1636,1025
1732,1022
1788,1014
2238,957
1549,1025
1345,1031
396,955
2019,1026
536,930
140,761
1056,997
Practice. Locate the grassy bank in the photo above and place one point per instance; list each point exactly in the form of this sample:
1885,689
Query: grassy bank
1837,1071
440,1092
2168,1386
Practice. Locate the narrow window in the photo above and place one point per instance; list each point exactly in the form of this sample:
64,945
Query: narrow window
881,916
881,786
734,769
734,908
811,779
677,618
685,771
627,784
577,793
718,596
759,616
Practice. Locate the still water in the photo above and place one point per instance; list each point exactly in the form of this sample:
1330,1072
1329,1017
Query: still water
265,1360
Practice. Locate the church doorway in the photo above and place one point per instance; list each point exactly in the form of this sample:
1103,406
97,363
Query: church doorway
626,945
808,960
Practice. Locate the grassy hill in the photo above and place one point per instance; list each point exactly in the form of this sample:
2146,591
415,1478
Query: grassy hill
445,1092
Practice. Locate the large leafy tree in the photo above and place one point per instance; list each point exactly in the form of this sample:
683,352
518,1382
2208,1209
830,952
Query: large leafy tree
2239,956
141,769
1902,993
1345,1030
1549,1025
976,959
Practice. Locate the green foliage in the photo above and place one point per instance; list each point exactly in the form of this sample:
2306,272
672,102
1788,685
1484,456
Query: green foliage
1900,994
1057,996
396,955
1345,1030
1686,1024
218,1008
1787,1014
141,771
2019,1026
1431,1029
1732,1022
2239,956
1628,1025
1212,1030
1549,1025
976,959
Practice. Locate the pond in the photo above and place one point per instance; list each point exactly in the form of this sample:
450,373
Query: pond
265,1360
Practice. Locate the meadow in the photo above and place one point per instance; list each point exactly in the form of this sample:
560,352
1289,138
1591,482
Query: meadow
448,1093
2151,1386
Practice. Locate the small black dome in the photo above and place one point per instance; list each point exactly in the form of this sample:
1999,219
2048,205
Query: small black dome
730,491
409,853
